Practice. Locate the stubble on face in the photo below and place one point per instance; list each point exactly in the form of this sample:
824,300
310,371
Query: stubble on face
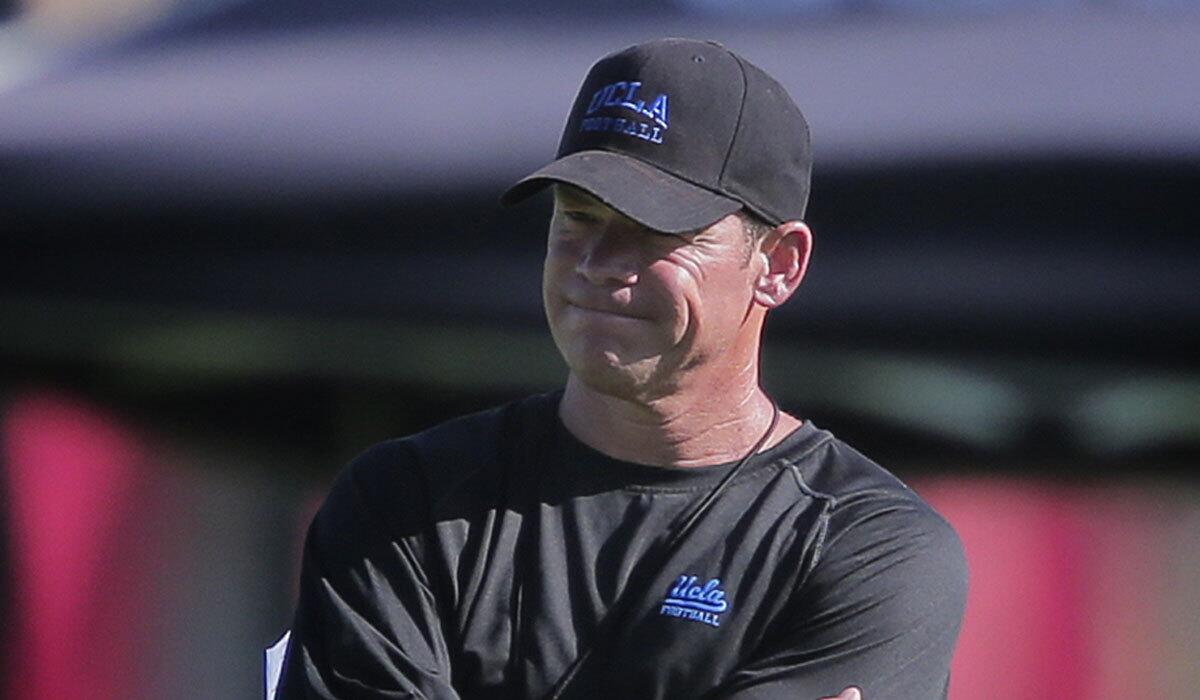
611,366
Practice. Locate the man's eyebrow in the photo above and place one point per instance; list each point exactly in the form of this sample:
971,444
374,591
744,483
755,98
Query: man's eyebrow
573,195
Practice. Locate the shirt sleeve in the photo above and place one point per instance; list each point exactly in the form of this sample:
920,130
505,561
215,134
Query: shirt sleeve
367,622
881,609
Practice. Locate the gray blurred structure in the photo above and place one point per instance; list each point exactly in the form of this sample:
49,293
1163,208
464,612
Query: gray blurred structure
386,108
252,192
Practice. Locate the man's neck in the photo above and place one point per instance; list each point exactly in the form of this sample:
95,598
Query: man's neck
686,429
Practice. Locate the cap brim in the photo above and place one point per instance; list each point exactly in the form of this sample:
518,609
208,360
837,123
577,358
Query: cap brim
652,197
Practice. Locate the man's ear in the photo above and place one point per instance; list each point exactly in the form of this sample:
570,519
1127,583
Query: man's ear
785,252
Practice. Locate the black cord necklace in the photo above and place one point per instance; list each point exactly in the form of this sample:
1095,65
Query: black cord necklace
623,606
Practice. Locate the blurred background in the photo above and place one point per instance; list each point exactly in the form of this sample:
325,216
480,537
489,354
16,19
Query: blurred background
245,239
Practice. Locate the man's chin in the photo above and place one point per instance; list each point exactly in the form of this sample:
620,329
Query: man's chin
611,376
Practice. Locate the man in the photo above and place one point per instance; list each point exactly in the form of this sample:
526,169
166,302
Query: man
657,529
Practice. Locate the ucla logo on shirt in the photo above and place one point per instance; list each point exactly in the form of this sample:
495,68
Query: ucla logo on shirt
690,600
636,117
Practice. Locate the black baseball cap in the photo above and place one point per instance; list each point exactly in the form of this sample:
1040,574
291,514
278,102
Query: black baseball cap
677,134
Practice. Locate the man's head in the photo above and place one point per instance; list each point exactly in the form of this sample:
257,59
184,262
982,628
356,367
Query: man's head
680,184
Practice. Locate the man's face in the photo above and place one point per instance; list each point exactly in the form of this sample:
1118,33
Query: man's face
635,311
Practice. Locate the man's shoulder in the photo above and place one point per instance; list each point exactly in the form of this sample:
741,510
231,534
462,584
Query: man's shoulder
463,453
468,437
835,471
859,491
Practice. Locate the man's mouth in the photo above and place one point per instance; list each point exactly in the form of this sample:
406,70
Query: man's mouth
603,310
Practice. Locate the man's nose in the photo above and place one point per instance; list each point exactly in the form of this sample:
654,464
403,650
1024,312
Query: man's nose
611,257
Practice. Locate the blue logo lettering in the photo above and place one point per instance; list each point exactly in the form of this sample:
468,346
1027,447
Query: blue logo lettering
623,95
689,600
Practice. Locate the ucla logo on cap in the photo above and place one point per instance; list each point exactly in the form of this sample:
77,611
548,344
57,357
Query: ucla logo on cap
646,121
689,600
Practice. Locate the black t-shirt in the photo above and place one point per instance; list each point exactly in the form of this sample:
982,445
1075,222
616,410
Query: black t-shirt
476,559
